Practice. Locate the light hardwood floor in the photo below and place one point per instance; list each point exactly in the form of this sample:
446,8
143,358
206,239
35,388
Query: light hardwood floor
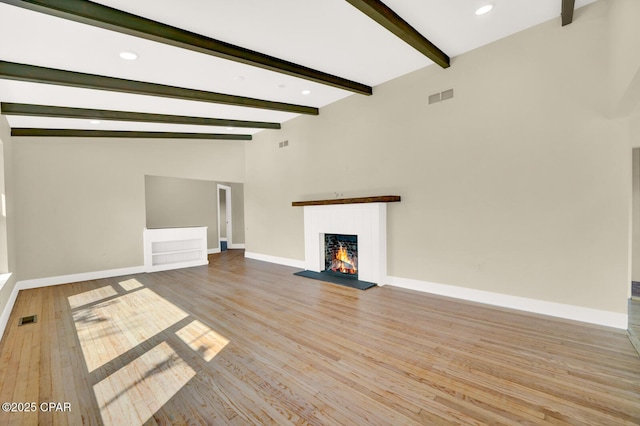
246,342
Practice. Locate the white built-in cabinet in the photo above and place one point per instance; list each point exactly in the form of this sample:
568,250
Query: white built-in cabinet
173,248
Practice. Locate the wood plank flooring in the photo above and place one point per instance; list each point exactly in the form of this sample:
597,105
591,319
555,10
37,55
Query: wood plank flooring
245,342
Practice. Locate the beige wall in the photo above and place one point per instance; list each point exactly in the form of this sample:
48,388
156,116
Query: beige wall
635,250
634,130
6,171
519,185
177,203
82,201
624,55
4,254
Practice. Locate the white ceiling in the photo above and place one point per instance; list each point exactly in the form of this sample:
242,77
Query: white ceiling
328,35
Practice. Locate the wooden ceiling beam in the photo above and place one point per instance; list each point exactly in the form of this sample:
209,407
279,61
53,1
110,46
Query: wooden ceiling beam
386,17
30,110
568,7
73,133
97,15
35,74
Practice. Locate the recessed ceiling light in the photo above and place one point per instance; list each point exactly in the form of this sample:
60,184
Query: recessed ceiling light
306,92
94,121
129,56
484,9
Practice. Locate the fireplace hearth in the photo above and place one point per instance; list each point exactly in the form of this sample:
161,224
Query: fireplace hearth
335,278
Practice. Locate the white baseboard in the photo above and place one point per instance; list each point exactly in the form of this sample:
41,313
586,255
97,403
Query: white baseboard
74,278
213,251
274,259
560,310
6,312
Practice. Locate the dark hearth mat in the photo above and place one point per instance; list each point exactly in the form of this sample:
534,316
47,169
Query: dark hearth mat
330,278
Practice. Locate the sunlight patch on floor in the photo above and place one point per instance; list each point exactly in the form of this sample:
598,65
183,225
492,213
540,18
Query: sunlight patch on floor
131,284
91,296
202,339
131,395
111,328
115,325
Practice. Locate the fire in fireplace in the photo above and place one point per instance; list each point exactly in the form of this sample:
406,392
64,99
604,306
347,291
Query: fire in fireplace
341,254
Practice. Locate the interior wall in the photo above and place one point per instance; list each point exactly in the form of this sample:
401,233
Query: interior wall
624,55
518,185
4,254
634,130
635,262
82,201
178,203
6,170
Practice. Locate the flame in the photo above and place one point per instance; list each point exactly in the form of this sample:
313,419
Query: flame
346,264
342,255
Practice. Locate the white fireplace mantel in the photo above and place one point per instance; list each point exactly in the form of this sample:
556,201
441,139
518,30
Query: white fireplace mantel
366,220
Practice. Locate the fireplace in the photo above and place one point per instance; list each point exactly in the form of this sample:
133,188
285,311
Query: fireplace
361,224
341,254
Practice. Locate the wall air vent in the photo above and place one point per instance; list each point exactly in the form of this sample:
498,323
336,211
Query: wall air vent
440,97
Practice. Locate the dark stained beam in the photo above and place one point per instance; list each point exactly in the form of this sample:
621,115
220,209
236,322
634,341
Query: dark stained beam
567,11
66,112
72,133
35,74
357,200
101,16
386,17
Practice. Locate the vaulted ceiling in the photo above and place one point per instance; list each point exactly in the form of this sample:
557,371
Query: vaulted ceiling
225,69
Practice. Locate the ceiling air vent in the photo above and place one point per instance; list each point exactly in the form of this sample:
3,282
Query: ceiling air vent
283,144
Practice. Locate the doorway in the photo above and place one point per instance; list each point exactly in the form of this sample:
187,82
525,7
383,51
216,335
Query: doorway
224,217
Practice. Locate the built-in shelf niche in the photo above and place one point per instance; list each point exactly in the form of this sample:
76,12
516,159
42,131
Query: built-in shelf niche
173,248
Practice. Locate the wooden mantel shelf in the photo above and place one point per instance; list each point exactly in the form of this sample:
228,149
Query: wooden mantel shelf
359,200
